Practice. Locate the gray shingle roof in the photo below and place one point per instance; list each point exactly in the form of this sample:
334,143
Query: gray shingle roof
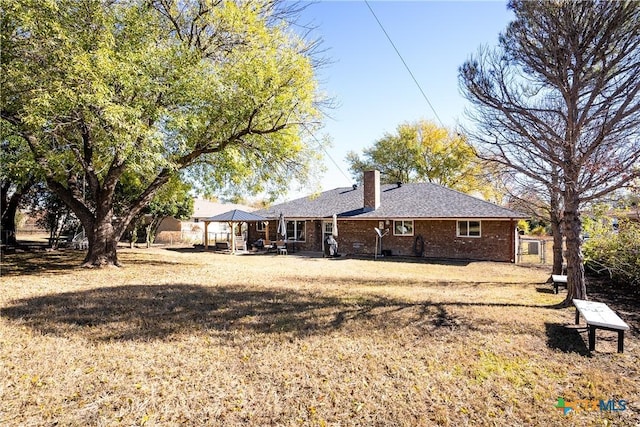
420,200
236,215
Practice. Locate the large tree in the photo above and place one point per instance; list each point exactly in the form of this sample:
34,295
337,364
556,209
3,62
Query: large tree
101,90
560,93
422,151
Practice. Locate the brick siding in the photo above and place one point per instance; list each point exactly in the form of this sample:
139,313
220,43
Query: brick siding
357,237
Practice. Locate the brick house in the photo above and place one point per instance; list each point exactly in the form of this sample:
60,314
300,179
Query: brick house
421,219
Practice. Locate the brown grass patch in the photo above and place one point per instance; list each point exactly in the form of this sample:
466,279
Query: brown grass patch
207,339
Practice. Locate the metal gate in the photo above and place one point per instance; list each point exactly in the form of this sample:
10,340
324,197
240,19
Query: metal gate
531,250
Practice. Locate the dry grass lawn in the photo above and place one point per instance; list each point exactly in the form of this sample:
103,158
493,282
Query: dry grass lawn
180,338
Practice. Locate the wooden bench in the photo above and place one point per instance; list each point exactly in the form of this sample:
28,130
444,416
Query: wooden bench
599,316
558,279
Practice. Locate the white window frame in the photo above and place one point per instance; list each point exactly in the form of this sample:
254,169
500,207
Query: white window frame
260,226
467,227
296,232
404,223
327,227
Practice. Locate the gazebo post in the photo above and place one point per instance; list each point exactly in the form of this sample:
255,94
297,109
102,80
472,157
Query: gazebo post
233,237
206,235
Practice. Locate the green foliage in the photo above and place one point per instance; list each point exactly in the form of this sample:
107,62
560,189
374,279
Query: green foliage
17,176
115,98
172,200
151,97
422,151
523,225
538,230
15,158
614,250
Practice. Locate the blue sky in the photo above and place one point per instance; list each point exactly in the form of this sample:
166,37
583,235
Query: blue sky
373,89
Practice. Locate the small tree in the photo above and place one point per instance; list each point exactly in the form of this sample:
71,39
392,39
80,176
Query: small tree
11,196
55,217
173,200
16,179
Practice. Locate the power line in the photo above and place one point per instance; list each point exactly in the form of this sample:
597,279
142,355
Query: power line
326,152
424,95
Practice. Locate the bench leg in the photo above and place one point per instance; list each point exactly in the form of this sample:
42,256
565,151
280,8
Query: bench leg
577,317
620,341
555,287
592,338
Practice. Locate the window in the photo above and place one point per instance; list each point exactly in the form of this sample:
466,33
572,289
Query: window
469,229
328,228
296,231
403,228
260,226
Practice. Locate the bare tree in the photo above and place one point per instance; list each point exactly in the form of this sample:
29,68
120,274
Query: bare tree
561,93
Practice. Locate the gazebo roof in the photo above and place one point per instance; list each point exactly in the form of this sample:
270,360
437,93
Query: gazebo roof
235,215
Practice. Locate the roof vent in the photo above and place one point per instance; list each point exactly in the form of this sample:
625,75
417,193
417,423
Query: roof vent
355,186
399,183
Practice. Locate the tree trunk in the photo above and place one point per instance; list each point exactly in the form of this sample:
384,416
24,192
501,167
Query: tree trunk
576,287
103,233
556,229
103,242
53,226
148,236
9,209
134,236
555,216
152,229
8,224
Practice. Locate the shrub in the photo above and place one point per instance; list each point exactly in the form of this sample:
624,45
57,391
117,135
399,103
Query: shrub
523,225
539,231
615,252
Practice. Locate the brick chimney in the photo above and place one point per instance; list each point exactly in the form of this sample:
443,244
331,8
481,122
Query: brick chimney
371,190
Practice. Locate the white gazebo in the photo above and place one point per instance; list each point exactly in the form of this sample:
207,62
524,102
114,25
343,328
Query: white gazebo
233,217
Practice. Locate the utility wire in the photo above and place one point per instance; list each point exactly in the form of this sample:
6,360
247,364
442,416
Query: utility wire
326,152
424,95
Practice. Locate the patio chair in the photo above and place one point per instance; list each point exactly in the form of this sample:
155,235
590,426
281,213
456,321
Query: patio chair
270,246
241,245
281,247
